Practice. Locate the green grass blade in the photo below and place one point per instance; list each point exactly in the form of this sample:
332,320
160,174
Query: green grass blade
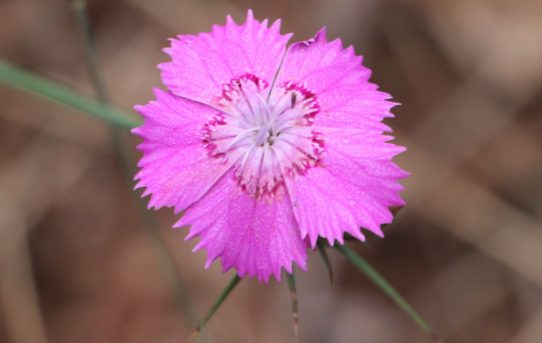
384,285
216,305
20,79
325,258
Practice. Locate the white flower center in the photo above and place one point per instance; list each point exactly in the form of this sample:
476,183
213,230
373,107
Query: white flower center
266,136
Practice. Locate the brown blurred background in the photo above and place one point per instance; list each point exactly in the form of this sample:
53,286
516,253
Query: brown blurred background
78,265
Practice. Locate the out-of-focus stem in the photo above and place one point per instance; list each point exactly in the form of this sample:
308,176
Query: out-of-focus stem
80,10
126,163
19,303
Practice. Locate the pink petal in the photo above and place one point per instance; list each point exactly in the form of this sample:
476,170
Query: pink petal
256,237
175,167
340,82
356,181
202,64
353,188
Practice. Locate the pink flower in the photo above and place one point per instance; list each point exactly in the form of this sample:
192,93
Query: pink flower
267,148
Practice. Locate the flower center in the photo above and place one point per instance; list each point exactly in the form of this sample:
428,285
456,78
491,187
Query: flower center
266,137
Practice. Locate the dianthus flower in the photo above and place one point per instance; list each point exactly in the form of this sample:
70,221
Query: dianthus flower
266,147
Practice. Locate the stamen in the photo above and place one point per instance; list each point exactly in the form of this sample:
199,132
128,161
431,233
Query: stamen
266,140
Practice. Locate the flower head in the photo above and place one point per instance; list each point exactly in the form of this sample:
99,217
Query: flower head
267,148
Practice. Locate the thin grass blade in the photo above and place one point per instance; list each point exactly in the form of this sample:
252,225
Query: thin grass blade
17,78
216,305
385,286
325,258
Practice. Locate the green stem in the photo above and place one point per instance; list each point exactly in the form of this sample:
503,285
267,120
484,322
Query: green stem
384,285
323,254
216,305
20,79
293,298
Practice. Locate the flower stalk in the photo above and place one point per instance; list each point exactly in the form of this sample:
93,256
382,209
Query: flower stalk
127,165
325,258
293,298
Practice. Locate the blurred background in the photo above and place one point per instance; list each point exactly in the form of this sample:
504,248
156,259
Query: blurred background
80,262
